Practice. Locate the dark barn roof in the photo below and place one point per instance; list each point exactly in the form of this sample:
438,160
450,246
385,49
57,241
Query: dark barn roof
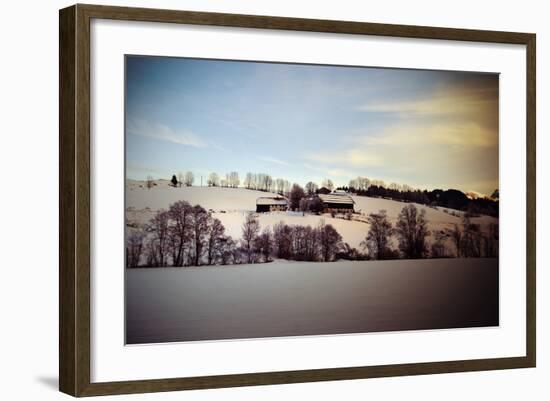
340,201
271,201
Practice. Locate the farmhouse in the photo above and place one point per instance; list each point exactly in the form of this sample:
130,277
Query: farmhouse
337,203
271,204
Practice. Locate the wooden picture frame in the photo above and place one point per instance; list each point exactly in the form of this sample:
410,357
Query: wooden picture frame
75,207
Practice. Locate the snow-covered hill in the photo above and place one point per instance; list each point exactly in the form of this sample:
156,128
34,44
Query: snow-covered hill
161,196
231,205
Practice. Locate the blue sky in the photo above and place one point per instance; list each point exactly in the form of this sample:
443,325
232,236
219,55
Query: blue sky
428,129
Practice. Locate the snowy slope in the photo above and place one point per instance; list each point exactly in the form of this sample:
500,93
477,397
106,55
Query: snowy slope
231,205
215,198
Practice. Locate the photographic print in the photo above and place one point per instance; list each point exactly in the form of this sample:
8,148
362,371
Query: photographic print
277,199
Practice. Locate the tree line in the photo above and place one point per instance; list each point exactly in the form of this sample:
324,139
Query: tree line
411,232
361,186
183,235
450,198
186,235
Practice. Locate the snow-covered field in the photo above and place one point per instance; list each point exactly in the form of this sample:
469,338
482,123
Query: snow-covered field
285,298
231,205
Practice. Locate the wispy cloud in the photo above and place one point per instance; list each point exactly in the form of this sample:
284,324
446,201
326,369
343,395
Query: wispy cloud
473,100
329,172
466,134
422,154
274,160
161,132
353,157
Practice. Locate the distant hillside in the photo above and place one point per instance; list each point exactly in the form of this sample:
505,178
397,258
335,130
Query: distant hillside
231,205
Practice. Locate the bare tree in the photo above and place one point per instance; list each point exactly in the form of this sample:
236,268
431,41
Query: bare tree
378,237
227,250
286,190
180,230
266,183
360,183
307,243
412,230
438,249
134,248
158,227
296,194
199,230
282,238
213,180
394,186
233,179
264,244
280,186
330,241
300,242
378,183
181,178
189,179
248,181
311,188
215,239
327,183
471,238
456,236
251,228
364,183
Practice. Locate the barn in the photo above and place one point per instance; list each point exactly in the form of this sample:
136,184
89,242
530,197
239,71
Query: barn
271,204
337,203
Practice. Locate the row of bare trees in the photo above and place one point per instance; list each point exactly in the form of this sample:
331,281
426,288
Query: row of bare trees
411,232
187,179
231,180
183,235
469,240
364,183
265,182
297,242
186,235
291,242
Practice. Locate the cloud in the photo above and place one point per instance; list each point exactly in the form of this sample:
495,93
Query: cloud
330,172
353,157
162,132
440,105
462,155
467,100
273,160
446,138
459,134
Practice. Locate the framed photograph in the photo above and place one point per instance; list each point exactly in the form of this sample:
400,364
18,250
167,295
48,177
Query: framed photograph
250,200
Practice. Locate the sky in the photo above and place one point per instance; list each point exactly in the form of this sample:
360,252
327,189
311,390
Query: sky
426,129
